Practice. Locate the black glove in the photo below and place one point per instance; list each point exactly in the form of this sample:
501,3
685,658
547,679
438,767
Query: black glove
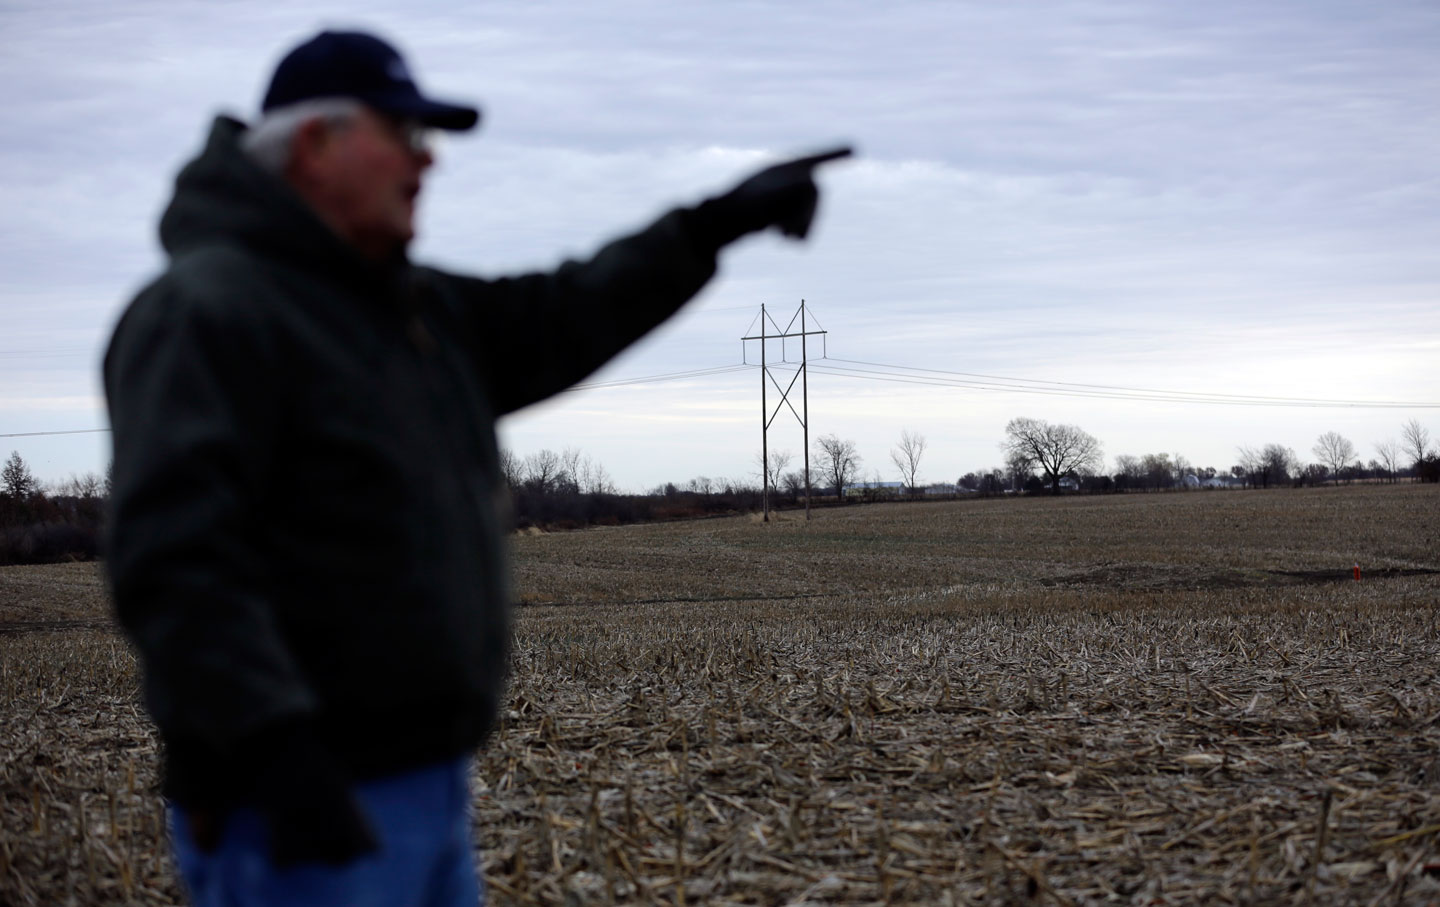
305,797
781,196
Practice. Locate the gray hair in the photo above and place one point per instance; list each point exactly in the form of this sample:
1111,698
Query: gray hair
268,142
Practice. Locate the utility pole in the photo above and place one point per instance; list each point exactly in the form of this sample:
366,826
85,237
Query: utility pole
764,425
805,407
767,418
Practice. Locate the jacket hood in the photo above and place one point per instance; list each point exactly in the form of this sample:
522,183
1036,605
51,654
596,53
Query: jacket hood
224,197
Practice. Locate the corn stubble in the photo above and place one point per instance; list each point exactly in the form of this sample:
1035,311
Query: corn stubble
1144,699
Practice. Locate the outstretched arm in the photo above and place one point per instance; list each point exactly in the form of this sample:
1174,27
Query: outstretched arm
535,335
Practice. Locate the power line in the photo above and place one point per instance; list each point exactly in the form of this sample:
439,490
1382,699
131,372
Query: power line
68,353
655,379
41,434
900,374
728,308
903,375
1142,390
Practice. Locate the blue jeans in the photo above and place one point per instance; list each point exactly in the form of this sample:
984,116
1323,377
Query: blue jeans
426,857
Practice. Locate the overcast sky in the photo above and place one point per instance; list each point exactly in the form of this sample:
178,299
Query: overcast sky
1229,198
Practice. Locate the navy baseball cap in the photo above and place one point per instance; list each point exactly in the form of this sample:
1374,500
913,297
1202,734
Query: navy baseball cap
337,64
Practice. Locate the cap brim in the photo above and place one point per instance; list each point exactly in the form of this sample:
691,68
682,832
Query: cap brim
454,117
435,114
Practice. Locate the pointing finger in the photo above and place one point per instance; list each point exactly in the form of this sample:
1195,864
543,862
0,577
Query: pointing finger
814,160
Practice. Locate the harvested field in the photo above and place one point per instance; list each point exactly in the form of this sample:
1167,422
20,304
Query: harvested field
1134,699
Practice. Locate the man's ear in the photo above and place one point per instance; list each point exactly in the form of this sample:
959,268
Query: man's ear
308,149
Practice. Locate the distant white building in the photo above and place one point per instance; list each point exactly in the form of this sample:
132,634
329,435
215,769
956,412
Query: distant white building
941,488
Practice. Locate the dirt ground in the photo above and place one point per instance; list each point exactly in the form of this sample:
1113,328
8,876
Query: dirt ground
1133,699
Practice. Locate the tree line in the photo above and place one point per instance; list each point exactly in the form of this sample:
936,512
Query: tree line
1046,457
44,525
1040,455
568,489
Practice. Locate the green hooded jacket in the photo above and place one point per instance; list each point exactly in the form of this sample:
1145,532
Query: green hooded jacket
308,517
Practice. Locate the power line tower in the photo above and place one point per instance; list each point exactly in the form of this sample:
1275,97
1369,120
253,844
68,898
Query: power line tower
767,378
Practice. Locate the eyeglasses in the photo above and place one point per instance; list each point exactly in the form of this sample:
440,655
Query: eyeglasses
412,134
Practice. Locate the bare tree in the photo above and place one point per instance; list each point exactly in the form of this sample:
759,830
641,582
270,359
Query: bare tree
511,468
1057,449
593,478
779,462
1389,451
1272,463
1249,466
837,460
1158,470
1019,467
572,464
84,487
1415,441
993,482
701,485
772,465
1127,470
1277,463
542,471
16,480
738,486
794,484
1334,451
907,456
1180,468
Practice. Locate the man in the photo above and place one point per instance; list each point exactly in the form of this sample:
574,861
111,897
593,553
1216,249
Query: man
307,526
